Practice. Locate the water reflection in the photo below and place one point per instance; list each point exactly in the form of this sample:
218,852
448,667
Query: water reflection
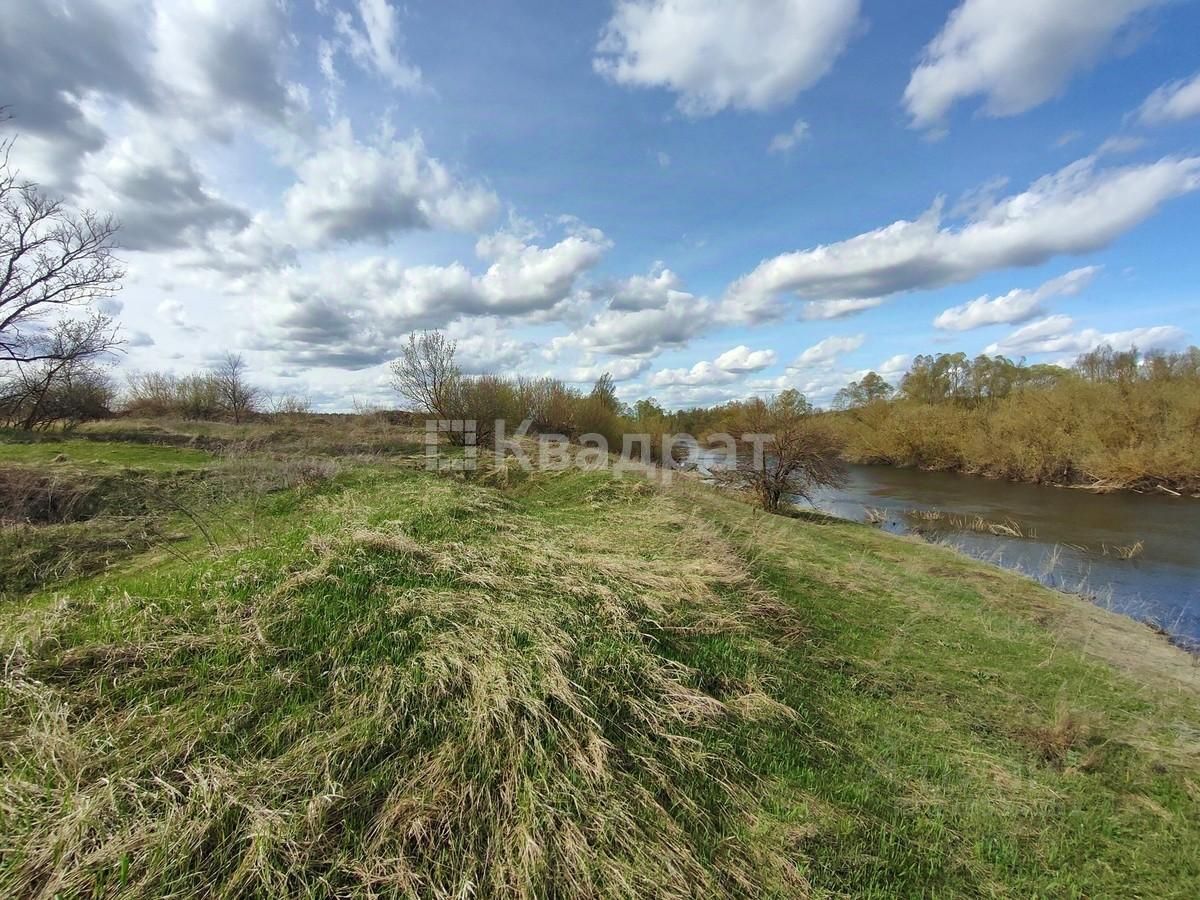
1068,539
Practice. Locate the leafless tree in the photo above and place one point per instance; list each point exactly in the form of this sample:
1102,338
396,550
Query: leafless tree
426,374
51,258
290,405
63,381
237,395
786,451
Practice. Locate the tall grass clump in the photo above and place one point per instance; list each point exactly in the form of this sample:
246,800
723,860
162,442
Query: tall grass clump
430,691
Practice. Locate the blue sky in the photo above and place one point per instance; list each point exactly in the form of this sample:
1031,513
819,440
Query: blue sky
707,198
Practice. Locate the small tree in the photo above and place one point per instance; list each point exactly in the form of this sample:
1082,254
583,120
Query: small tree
291,405
482,399
785,451
604,392
199,397
152,394
599,412
549,403
83,392
425,374
235,394
428,378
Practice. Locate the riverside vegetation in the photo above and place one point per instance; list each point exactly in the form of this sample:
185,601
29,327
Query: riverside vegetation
1114,421
320,670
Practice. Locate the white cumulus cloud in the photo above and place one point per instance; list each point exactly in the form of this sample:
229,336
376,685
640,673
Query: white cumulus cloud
894,367
219,59
1015,306
1016,54
828,350
727,368
716,54
158,194
1173,102
348,190
1079,209
1053,334
786,141
742,359
702,373
652,291
354,315
643,332
617,369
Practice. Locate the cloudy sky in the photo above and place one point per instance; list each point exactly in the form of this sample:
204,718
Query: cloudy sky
706,198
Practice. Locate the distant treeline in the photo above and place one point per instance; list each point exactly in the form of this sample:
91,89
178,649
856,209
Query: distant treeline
1115,420
62,394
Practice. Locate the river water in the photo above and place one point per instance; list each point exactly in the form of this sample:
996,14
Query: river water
1072,540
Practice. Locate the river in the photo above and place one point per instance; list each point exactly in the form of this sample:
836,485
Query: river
1071,540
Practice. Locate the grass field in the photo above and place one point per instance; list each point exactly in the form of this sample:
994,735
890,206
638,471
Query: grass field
367,680
76,453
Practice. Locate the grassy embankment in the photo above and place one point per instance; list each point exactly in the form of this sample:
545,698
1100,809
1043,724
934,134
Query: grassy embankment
380,682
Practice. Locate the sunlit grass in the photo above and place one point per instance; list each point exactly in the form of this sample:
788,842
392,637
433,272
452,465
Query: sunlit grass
101,454
382,682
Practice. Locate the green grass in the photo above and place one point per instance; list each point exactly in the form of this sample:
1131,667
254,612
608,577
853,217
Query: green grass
387,683
94,505
965,739
101,455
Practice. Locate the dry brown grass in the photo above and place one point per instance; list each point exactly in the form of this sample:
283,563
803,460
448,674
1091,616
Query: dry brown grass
485,713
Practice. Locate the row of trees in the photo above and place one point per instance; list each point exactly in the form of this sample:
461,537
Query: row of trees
782,448
985,380
427,378
1115,419
222,392
64,393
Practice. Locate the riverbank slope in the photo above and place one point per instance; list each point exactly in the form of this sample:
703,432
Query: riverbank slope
373,680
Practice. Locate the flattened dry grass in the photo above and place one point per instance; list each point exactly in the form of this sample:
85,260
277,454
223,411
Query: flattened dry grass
430,690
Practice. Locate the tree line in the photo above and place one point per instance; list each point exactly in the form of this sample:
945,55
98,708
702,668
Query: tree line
780,447
1115,419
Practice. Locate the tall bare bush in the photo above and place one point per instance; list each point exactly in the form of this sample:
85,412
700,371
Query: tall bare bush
796,454
425,374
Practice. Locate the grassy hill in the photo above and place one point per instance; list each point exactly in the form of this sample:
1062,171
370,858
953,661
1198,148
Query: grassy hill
356,678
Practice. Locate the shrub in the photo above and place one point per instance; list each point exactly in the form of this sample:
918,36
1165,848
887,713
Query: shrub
803,453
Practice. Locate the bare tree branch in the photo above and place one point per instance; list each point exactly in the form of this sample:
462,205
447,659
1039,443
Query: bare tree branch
50,258
425,374
236,395
796,454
